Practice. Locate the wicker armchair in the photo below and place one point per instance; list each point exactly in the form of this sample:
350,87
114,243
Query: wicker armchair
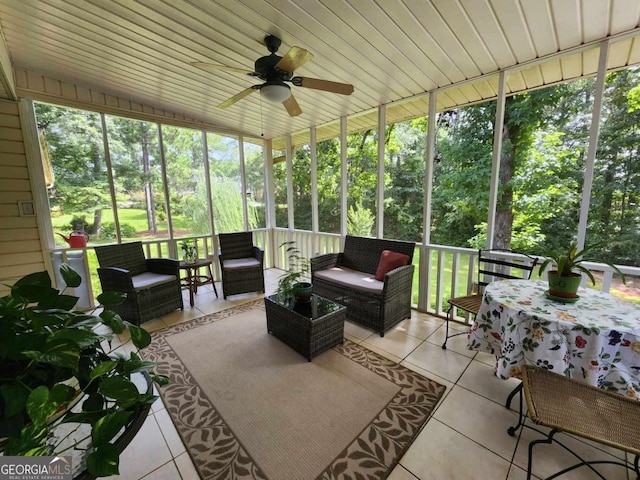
152,285
347,278
242,264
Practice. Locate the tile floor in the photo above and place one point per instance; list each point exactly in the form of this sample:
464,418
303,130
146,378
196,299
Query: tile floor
465,439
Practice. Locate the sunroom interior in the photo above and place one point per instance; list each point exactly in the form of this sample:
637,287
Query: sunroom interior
415,64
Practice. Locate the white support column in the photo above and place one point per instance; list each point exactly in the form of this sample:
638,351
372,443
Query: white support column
314,188
173,251
270,204
382,115
207,185
343,176
423,272
289,165
112,188
594,133
428,172
243,183
495,163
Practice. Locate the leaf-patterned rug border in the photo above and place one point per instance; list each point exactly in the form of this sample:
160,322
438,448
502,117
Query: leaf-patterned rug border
218,454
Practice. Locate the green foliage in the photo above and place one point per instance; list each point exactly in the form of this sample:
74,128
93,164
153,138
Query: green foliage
108,230
189,252
297,269
359,221
568,261
46,348
79,223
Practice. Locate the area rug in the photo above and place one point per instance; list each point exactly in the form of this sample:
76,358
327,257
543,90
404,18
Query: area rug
248,406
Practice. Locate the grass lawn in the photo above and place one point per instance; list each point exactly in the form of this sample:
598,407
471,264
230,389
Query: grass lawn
136,217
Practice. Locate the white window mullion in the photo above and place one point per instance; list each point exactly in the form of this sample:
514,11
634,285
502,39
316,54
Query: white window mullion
270,203
112,188
314,187
423,273
243,182
343,176
382,114
207,184
289,165
165,185
594,133
495,163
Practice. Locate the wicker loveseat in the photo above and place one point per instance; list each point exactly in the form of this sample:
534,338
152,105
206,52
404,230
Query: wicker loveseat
348,278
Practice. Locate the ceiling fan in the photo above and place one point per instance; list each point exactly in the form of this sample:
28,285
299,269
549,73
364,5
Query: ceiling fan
275,71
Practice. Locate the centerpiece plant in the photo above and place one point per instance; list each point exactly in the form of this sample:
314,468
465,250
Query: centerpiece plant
189,253
292,285
58,371
565,276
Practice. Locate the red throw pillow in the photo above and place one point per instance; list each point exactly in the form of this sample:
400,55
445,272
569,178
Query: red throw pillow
388,261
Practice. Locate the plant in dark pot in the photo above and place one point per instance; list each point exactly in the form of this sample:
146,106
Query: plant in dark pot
292,285
63,390
565,276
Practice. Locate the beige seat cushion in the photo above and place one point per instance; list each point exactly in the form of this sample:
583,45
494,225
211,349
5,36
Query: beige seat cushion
150,279
351,278
241,263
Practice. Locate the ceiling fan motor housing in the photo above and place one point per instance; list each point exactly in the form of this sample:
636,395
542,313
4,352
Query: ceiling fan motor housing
265,67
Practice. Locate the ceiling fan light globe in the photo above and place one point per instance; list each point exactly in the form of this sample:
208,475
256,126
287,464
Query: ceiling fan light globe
275,93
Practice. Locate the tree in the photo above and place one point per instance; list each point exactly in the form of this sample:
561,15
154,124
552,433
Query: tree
74,140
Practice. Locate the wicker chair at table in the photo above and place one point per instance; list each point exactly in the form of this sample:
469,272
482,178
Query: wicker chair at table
567,405
152,285
494,264
242,264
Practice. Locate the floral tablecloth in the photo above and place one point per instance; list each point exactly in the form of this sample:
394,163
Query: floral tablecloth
596,339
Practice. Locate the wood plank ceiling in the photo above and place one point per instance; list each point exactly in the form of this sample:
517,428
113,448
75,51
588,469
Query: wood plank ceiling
392,51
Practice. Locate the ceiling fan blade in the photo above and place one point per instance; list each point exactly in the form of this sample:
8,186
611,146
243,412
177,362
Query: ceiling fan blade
292,106
294,58
237,97
326,85
279,159
213,66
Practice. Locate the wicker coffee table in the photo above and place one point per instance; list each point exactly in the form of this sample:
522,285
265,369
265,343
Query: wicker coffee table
309,328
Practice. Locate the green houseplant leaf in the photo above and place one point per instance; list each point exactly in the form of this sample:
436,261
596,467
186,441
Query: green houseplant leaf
70,276
44,345
104,461
570,260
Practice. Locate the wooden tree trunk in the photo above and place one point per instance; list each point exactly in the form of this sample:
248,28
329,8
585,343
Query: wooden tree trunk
504,209
97,221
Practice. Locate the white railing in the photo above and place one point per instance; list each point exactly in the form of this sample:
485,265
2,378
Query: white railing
432,287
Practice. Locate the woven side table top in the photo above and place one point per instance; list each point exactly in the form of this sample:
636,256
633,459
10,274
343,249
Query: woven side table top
574,407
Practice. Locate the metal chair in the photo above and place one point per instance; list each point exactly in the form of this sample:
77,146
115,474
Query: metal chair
152,285
242,264
494,264
568,405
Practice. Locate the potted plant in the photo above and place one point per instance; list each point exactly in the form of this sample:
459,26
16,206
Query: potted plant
189,253
564,279
291,284
58,373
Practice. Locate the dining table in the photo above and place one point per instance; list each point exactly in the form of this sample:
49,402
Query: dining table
595,338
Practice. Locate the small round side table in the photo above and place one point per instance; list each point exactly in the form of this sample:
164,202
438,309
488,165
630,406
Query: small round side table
194,279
